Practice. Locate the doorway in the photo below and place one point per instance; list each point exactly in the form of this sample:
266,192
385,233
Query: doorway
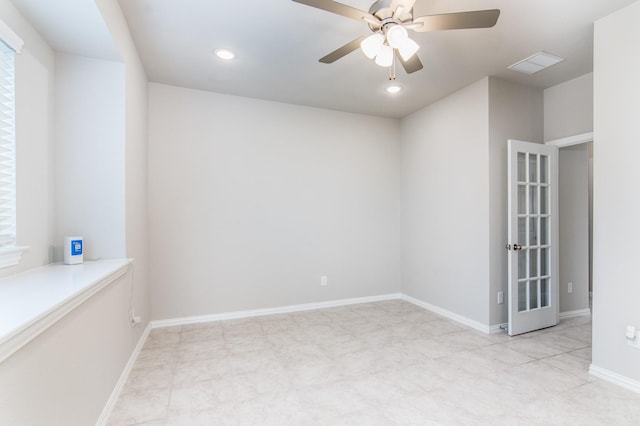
576,225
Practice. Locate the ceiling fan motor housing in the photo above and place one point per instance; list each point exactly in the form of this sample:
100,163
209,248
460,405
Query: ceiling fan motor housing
382,9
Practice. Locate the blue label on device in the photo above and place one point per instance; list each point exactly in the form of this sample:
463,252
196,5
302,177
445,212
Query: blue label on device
76,247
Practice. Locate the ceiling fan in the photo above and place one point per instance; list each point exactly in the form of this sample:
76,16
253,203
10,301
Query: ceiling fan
389,20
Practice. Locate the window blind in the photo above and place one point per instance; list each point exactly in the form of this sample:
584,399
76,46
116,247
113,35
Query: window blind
7,147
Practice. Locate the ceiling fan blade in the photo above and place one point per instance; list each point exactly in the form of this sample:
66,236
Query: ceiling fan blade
398,12
458,21
343,51
412,65
407,4
340,9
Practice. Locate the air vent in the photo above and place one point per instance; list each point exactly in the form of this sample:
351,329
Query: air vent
535,63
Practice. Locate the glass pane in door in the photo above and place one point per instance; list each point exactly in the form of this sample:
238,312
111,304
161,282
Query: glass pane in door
522,230
522,167
544,169
533,295
544,231
533,263
533,168
522,296
544,292
533,231
522,264
533,199
544,262
544,200
522,199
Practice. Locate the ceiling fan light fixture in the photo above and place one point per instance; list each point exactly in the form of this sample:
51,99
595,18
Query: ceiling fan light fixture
372,45
385,57
396,36
408,49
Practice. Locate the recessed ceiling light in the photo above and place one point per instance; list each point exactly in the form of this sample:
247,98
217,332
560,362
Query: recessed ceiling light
224,54
393,89
535,63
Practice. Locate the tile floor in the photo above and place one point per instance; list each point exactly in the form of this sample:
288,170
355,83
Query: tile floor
385,363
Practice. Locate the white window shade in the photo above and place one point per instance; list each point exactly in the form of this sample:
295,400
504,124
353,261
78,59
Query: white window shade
10,43
7,148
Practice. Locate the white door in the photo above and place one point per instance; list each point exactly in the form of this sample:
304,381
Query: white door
533,236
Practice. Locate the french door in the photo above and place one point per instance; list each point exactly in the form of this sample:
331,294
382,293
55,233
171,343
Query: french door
533,236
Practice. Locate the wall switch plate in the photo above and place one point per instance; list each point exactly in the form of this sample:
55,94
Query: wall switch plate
500,297
323,280
570,287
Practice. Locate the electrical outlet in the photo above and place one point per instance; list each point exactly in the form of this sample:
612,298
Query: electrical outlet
633,337
133,318
500,297
323,280
570,287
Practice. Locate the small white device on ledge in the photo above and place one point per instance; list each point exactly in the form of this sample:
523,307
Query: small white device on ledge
73,247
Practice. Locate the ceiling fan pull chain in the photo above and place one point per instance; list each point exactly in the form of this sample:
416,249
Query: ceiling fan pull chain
392,69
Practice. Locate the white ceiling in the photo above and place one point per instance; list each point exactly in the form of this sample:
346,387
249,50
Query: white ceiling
279,42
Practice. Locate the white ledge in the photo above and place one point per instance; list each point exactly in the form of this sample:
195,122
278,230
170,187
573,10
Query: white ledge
32,301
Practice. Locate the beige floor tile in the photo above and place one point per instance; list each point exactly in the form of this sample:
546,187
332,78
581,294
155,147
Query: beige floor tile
383,363
142,406
531,348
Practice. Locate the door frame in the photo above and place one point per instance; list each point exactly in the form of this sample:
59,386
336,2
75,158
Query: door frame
580,139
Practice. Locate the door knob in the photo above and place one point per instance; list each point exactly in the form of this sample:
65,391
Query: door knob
517,247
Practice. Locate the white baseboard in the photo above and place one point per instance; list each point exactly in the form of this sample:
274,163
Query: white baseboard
115,394
615,378
578,313
271,311
451,315
493,329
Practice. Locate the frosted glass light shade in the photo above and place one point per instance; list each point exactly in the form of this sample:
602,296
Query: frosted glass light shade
396,36
408,49
385,57
371,45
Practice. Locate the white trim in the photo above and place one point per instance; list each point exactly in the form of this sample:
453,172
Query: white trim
10,38
615,378
99,274
451,315
571,140
271,311
578,313
115,394
11,256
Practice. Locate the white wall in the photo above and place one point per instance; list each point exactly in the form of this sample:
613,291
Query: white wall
89,154
135,157
65,375
35,68
252,201
96,112
445,199
616,286
568,108
515,112
568,111
454,186
574,226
